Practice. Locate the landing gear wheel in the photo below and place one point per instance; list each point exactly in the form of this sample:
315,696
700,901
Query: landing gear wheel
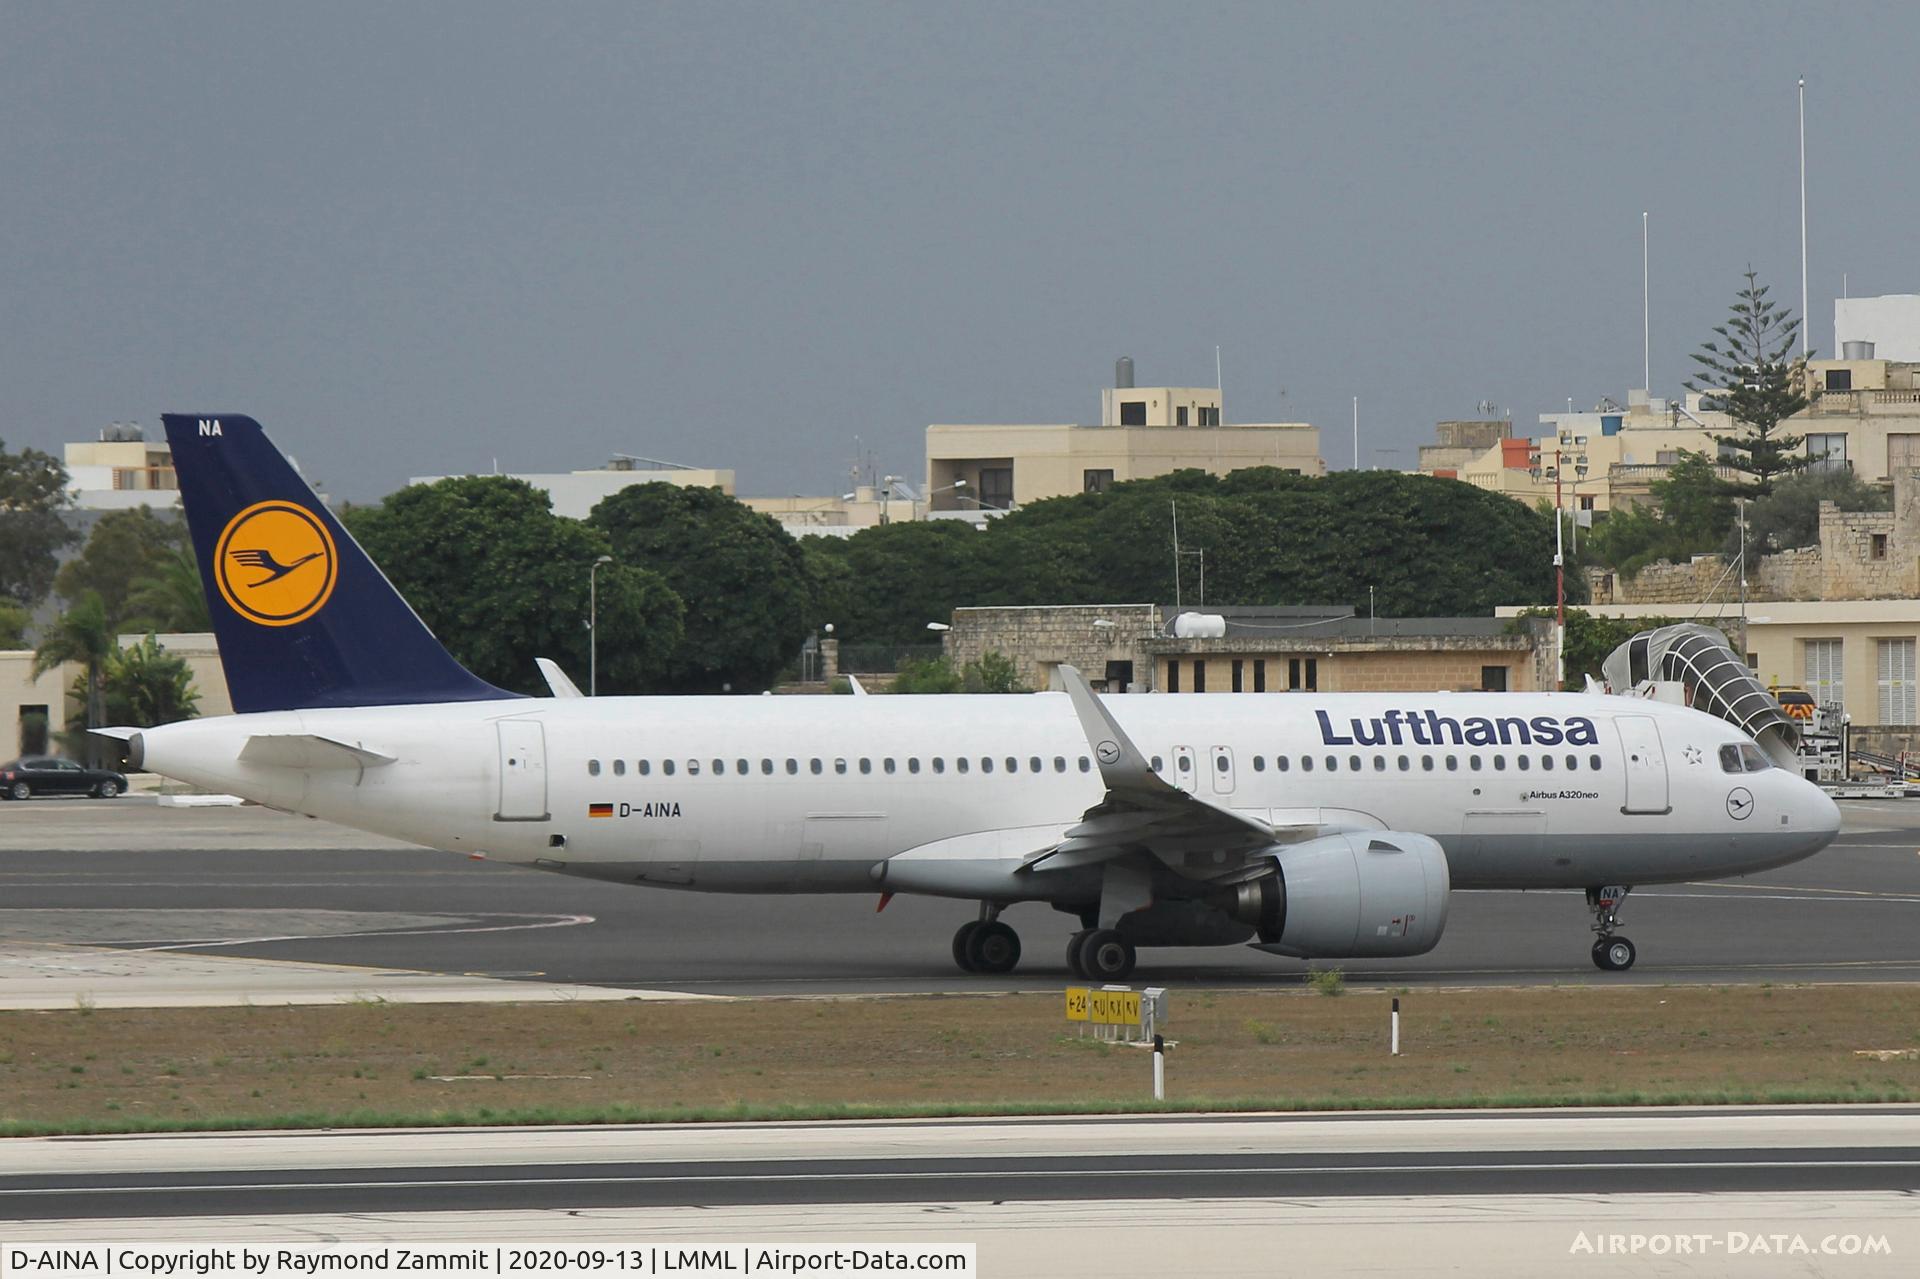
107,790
20,790
1106,956
1614,954
1073,952
961,955
992,948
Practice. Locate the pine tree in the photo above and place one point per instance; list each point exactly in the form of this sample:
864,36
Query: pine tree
1751,376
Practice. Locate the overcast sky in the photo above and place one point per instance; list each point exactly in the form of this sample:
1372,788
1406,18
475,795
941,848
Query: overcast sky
413,238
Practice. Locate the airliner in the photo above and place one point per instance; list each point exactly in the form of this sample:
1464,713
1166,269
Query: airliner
1315,826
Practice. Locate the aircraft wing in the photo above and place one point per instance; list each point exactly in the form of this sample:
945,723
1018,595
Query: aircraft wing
1141,812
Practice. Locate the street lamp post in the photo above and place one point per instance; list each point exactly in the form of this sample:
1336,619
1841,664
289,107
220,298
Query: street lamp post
593,626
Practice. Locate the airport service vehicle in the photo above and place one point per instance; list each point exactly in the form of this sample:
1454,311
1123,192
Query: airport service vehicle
1312,826
32,775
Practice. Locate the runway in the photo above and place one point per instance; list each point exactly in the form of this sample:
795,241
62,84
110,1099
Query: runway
1508,1193
137,879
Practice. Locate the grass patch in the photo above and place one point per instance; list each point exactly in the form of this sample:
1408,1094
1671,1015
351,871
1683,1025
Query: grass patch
154,1070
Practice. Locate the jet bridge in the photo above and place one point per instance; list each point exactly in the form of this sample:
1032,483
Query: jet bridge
1695,663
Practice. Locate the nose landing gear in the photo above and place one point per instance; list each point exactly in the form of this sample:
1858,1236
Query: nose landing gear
1611,953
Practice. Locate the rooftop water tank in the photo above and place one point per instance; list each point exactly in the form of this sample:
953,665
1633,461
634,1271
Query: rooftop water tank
1199,626
1856,350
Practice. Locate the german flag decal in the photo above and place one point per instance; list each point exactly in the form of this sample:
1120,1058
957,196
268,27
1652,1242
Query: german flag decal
599,810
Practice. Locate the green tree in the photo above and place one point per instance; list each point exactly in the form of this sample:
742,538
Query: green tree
930,675
81,634
13,624
170,596
743,579
124,548
33,489
502,580
993,673
1750,373
1691,512
1790,515
145,685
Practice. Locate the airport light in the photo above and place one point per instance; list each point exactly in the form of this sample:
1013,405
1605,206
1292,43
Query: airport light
593,626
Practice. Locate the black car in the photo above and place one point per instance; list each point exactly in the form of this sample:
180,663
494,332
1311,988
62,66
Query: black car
45,775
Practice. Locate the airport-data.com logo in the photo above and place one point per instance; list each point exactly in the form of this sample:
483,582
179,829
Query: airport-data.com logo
1727,1243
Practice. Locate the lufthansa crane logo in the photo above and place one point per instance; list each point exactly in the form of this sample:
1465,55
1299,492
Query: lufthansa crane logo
275,563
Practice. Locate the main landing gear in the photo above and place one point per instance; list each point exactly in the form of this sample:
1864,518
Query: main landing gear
1611,953
1100,954
985,945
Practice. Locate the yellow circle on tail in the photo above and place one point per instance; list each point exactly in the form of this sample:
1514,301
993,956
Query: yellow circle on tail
275,563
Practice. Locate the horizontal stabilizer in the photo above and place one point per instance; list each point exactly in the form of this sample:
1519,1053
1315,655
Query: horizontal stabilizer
308,750
556,678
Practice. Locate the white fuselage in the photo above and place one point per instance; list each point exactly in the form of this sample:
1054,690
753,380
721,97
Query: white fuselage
818,794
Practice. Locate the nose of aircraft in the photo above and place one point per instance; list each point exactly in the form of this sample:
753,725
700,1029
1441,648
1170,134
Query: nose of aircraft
1819,813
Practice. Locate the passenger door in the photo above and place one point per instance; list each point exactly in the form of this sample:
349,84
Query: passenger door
1646,765
523,772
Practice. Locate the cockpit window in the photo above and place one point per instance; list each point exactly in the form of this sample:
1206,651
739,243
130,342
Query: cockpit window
1755,759
1743,757
1730,759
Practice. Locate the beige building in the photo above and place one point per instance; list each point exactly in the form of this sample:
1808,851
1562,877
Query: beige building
1143,431
842,516
35,708
1864,414
121,469
1137,648
1592,461
1458,443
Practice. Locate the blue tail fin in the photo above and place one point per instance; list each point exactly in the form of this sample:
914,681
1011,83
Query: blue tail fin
303,617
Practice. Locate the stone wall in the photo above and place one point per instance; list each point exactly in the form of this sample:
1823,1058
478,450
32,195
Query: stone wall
1039,638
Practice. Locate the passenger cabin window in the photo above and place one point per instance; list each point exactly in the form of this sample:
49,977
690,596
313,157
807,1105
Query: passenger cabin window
1279,763
642,767
619,768
1086,765
866,765
793,767
886,764
693,768
960,764
766,766
913,763
719,768
840,767
939,764
1059,763
815,767
1259,763
740,767
593,768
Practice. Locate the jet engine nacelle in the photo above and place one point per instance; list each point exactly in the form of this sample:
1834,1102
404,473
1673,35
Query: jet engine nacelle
1357,895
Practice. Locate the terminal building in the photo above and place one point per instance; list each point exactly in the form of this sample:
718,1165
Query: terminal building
1143,431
